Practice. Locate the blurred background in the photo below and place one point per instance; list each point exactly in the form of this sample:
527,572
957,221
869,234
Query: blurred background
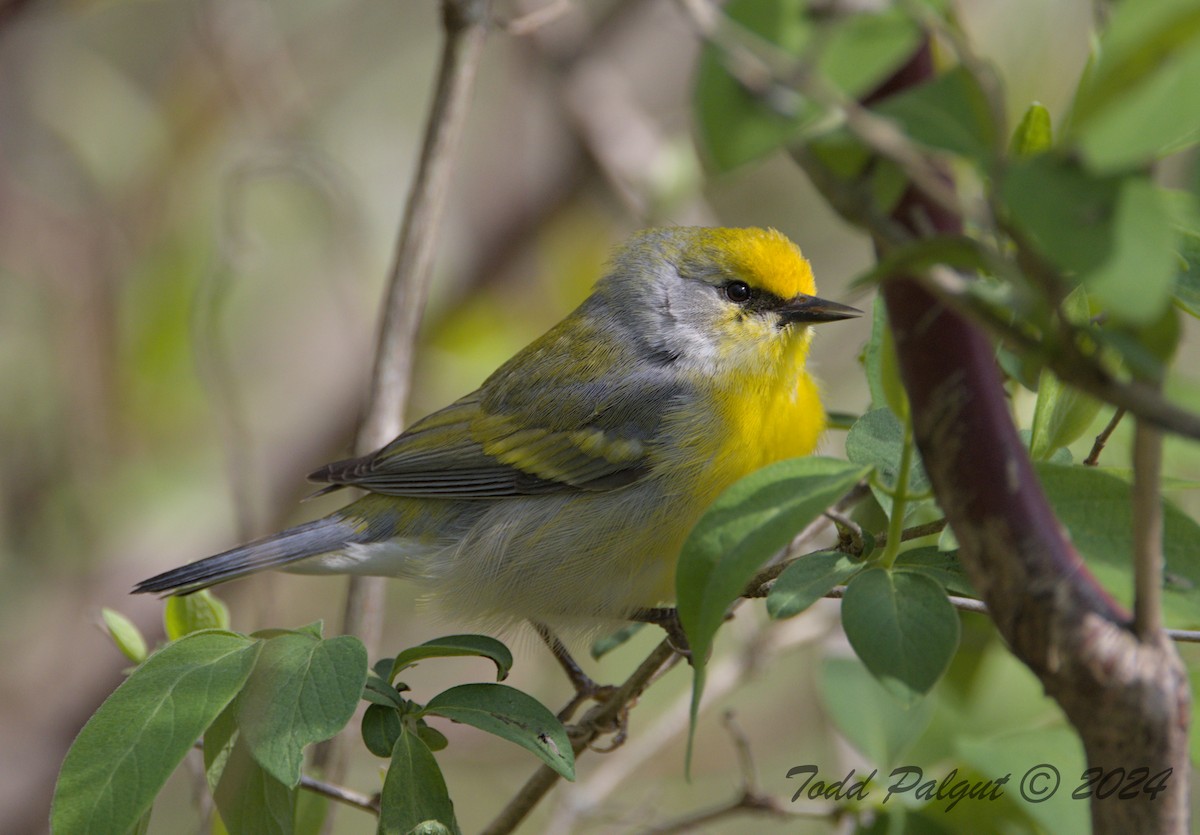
198,204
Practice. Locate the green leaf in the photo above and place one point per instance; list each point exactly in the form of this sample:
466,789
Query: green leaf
883,372
125,635
129,747
735,126
918,256
509,714
1035,133
250,800
743,528
807,580
903,628
604,645
1095,506
303,690
457,645
381,727
1187,277
435,739
868,716
1061,416
877,441
1137,100
859,51
379,692
1066,210
1134,284
941,565
852,54
414,791
949,112
194,612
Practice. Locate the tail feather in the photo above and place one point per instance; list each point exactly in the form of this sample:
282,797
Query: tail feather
300,542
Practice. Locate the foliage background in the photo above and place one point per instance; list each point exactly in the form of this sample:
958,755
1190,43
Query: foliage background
198,201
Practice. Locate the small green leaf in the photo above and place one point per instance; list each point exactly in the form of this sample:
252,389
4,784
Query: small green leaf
1156,116
509,714
250,800
1035,133
859,51
743,528
877,441
883,372
1187,278
1094,506
303,690
1066,210
1134,284
379,692
807,580
603,646
950,112
193,612
125,635
868,715
414,791
1061,416
132,743
453,646
903,628
381,727
942,565
736,126
435,739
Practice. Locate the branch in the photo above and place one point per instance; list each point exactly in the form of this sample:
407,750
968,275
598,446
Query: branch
600,719
412,266
464,22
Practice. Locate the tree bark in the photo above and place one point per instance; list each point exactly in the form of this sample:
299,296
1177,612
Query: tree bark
1127,697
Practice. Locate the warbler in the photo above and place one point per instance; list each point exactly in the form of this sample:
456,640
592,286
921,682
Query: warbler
562,489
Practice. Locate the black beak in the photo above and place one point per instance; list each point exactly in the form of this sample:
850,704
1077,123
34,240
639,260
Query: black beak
810,310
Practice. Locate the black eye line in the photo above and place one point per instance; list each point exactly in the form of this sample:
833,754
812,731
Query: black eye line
756,301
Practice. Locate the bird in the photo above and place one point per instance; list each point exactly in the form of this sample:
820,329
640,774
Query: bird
562,489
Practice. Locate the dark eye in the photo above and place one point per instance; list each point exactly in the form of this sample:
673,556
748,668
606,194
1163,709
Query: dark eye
738,292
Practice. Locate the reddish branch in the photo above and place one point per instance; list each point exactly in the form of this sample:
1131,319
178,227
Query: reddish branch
1128,698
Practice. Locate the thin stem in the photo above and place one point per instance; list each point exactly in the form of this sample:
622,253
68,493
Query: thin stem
341,794
899,501
1098,446
596,721
1147,531
464,22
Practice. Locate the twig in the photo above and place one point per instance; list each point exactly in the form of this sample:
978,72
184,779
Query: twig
731,670
761,584
530,22
970,604
745,802
1147,531
1140,399
341,794
596,721
412,266
1098,447
464,22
